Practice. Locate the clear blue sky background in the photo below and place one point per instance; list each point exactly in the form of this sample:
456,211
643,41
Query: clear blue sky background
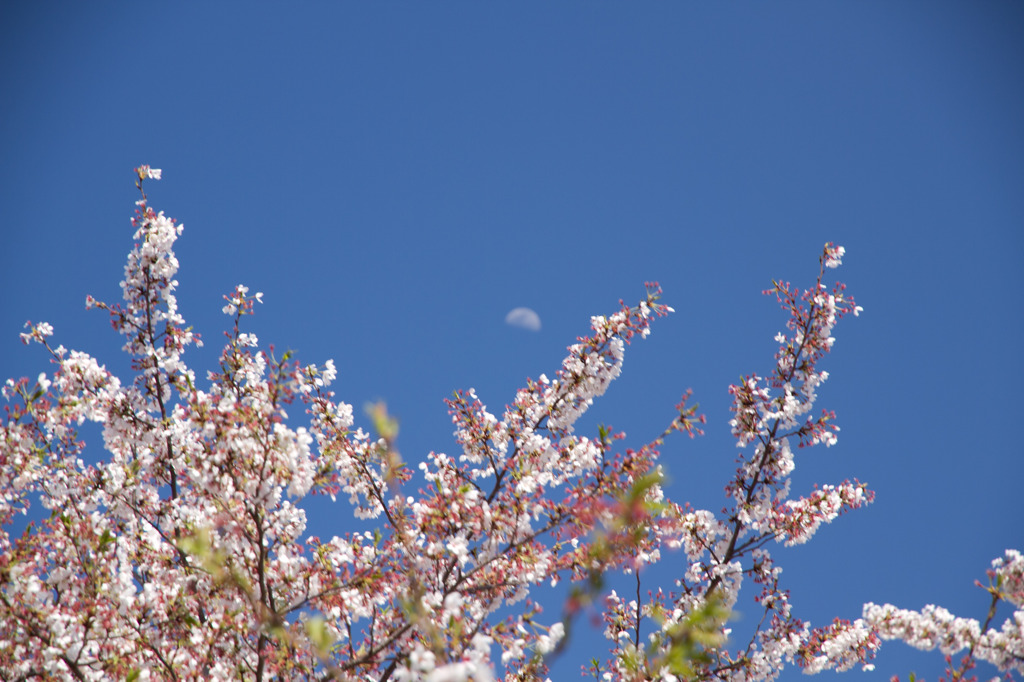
396,177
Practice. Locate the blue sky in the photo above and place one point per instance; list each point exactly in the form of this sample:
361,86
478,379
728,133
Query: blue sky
397,177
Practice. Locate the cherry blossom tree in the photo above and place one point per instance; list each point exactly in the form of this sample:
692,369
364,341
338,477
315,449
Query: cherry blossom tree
183,554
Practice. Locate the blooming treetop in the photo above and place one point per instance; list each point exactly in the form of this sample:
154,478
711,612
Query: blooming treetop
183,555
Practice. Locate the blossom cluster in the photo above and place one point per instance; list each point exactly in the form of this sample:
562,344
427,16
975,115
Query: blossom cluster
184,555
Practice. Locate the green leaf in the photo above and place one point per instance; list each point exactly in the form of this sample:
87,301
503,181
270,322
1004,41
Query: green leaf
319,636
105,539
